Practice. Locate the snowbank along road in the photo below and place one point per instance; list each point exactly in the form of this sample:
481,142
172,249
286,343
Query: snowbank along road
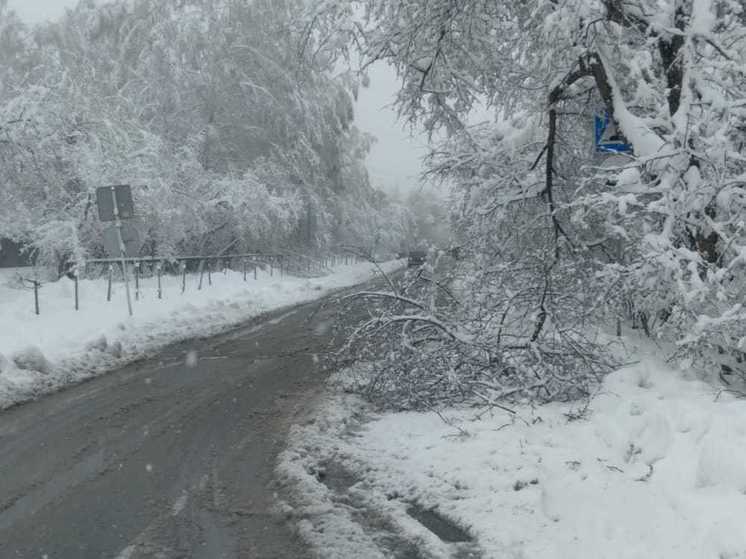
169,457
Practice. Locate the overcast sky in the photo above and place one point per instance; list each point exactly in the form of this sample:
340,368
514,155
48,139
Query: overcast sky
40,10
395,160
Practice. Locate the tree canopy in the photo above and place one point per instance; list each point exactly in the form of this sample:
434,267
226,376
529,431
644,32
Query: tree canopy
561,233
231,129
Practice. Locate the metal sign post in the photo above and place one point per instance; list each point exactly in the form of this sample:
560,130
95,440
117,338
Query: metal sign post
121,195
122,248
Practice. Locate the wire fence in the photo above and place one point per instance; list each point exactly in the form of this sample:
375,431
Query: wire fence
140,269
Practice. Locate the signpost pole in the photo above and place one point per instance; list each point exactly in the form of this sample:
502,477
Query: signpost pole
122,249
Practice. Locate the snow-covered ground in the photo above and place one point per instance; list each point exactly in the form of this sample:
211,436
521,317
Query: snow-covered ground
60,346
655,467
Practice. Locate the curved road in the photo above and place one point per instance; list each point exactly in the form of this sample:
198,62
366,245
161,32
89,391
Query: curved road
162,460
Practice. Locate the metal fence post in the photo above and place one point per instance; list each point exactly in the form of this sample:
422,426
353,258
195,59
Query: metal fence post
75,278
183,276
36,297
158,271
244,269
209,273
136,265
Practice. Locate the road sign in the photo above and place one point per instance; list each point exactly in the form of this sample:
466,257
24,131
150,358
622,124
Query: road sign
124,203
130,239
609,138
115,204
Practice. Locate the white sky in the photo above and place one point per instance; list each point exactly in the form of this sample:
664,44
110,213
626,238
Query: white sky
395,160
40,10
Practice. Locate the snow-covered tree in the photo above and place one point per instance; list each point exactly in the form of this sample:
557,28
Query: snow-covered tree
561,234
231,132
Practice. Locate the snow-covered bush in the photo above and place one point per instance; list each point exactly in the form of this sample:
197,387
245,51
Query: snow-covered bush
439,337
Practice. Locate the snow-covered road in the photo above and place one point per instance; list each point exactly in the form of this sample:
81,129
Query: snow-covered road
40,354
171,456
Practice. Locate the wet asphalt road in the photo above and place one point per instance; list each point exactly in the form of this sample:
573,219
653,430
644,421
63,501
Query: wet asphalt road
161,460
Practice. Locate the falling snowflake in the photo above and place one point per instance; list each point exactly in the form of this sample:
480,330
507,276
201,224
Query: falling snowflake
191,359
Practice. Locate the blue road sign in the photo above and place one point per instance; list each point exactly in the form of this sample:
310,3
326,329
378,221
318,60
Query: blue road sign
609,138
